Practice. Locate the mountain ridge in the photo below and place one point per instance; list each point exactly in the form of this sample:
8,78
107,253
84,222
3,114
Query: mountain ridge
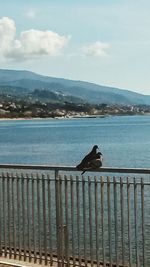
86,91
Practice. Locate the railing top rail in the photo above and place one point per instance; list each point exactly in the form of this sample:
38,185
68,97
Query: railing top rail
73,168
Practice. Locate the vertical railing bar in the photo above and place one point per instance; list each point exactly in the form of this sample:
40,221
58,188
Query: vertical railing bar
57,216
0,218
78,219
67,223
115,219
50,219
143,221
9,215
4,214
18,215
72,218
109,221
33,218
96,221
28,218
129,223
39,218
102,219
44,217
61,231
23,216
122,219
14,216
84,220
135,220
90,220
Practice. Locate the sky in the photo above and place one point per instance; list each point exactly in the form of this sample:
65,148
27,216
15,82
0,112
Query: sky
101,41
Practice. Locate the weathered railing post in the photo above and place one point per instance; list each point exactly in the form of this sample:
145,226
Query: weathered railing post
0,220
57,201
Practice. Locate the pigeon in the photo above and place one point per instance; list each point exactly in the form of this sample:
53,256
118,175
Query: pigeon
95,163
84,163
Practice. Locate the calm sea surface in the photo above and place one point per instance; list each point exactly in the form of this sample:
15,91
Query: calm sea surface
123,140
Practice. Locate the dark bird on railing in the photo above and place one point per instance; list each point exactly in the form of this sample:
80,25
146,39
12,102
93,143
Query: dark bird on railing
94,163
84,163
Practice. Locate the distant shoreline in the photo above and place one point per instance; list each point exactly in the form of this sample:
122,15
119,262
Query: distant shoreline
73,117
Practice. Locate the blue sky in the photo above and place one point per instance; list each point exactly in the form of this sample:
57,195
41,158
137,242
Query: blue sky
105,42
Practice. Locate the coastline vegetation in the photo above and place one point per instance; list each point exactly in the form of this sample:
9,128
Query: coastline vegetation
16,108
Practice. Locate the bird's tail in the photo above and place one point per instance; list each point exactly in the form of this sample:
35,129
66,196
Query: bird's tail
79,167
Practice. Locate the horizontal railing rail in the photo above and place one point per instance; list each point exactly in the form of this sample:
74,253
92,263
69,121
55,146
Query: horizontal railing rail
73,168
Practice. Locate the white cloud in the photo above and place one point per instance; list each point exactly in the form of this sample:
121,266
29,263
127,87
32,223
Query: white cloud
96,49
7,34
30,44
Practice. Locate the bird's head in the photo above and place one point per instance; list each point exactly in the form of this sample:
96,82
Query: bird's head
99,155
95,147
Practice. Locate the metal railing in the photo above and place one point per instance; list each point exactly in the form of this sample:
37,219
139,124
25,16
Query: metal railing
53,214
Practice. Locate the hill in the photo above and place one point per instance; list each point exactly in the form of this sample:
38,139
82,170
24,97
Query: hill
23,83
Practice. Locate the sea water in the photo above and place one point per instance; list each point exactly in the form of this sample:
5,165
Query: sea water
123,140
